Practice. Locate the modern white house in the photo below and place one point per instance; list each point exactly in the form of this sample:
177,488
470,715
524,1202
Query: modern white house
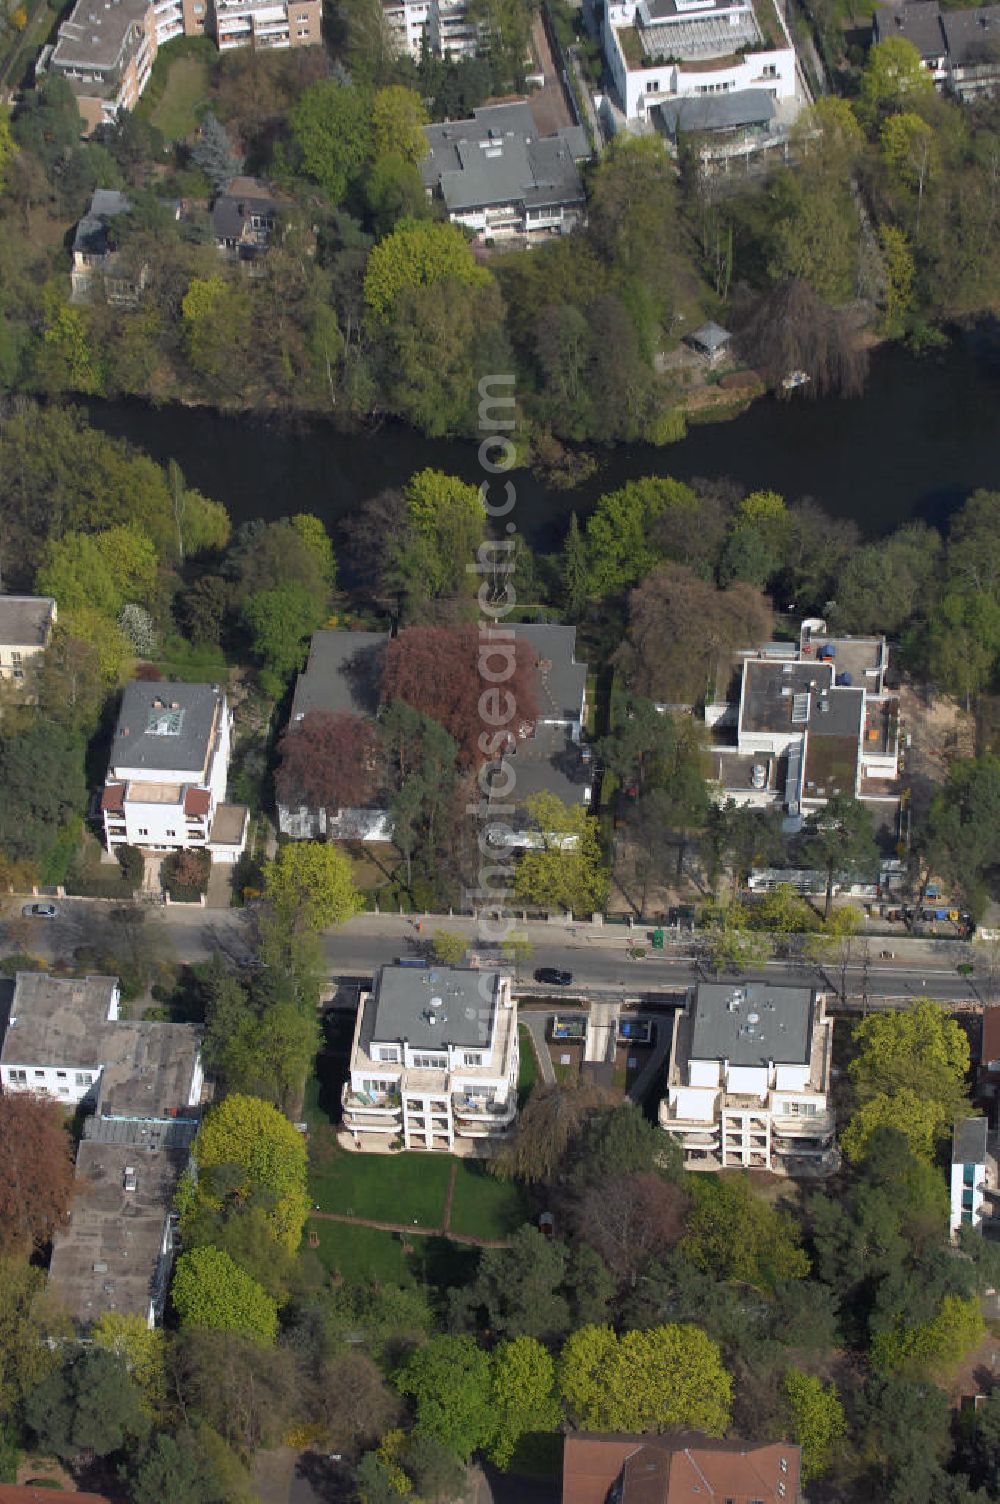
26,623
434,1062
793,724
748,1080
143,1083
166,783
660,51
968,1174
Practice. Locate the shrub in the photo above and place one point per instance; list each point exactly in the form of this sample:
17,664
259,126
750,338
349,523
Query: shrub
185,875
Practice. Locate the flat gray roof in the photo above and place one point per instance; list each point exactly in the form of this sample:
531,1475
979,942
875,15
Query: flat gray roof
98,33
26,620
399,1008
342,674
968,1145
162,726
108,1256
770,687
752,1023
498,157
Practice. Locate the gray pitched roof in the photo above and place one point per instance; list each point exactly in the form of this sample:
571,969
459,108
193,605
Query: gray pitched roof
342,674
968,1145
498,157
92,231
717,112
25,620
918,21
711,337
163,726
241,198
973,36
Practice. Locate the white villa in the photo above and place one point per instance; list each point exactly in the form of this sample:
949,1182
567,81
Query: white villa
660,51
748,1080
793,724
434,1061
166,783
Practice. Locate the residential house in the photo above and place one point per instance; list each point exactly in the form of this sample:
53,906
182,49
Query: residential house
988,1073
968,1174
244,217
960,49
679,1468
31,1493
661,51
444,27
340,677
26,623
106,48
65,1038
498,177
434,1061
748,1080
98,268
166,783
792,725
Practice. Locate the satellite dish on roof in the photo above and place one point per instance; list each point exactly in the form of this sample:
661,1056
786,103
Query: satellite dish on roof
753,1018
436,1002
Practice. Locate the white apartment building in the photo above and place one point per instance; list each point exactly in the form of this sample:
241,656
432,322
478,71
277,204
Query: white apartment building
968,1174
166,783
793,725
659,51
407,23
434,1061
443,24
748,1080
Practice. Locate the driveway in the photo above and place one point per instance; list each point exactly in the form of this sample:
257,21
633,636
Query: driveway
286,1476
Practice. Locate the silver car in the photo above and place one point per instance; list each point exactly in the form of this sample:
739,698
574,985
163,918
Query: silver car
39,911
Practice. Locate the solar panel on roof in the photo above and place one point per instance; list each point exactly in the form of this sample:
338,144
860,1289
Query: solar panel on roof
800,708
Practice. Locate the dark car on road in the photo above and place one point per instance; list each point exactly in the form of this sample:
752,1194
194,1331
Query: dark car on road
553,976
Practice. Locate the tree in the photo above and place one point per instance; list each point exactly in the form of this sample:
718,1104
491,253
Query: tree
905,1437
790,328
436,1472
900,271
618,1140
679,628
36,1171
959,841
630,1219
522,1396
736,1234
565,869
893,78
398,120
88,1405
71,691
909,1072
310,886
448,1380
331,125
574,572
327,762
32,1332
418,253
141,1348
263,1151
727,942
213,154
210,1290
8,150
645,1380
546,1130
216,318
270,1052
246,1391
438,671
963,642
840,841
623,533
447,522
449,948
42,775
172,1471
279,622
890,582
930,1349
817,1421
516,1292
114,656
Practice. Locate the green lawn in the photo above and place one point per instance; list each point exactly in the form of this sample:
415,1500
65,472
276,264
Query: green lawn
387,1187
484,1206
361,1254
187,89
527,1073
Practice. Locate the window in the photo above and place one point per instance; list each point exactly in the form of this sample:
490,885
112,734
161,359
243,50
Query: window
84,1078
967,1199
39,1073
64,1091
430,1062
171,832
18,1076
473,1059
769,71
389,1053
968,1174
142,831
60,1075
652,86
15,659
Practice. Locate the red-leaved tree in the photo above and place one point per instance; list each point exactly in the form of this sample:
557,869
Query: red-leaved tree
443,671
328,762
36,1171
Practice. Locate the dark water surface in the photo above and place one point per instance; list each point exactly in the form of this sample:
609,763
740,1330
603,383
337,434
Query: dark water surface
925,434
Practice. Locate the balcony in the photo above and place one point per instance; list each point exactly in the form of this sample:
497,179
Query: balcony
479,1116
374,1106
803,1125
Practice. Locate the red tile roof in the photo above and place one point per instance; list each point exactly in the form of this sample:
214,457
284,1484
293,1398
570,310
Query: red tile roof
113,797
197,801
682,1469
12,1494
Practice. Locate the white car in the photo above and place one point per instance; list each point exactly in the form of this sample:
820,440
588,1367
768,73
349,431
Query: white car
39,911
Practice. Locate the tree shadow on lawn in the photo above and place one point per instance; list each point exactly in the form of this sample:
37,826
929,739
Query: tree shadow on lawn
441,1264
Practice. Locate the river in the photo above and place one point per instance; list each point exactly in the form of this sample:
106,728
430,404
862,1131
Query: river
925,434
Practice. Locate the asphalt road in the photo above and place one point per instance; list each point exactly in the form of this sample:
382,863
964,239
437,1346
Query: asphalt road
598,959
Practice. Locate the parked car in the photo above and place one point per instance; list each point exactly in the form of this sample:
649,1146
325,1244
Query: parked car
39,911
553,976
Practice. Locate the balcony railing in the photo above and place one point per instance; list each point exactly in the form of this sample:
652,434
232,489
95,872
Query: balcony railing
483,1110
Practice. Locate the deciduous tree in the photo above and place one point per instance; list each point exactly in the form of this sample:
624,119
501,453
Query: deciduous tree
210,1290
565,869
256,1148
36,1171
522,1394
418,253
645,1380
328,762
310,886
817,1421
840,841
88,1405
448,1381
736,1234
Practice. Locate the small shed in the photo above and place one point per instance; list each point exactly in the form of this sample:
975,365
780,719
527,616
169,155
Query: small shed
710,340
